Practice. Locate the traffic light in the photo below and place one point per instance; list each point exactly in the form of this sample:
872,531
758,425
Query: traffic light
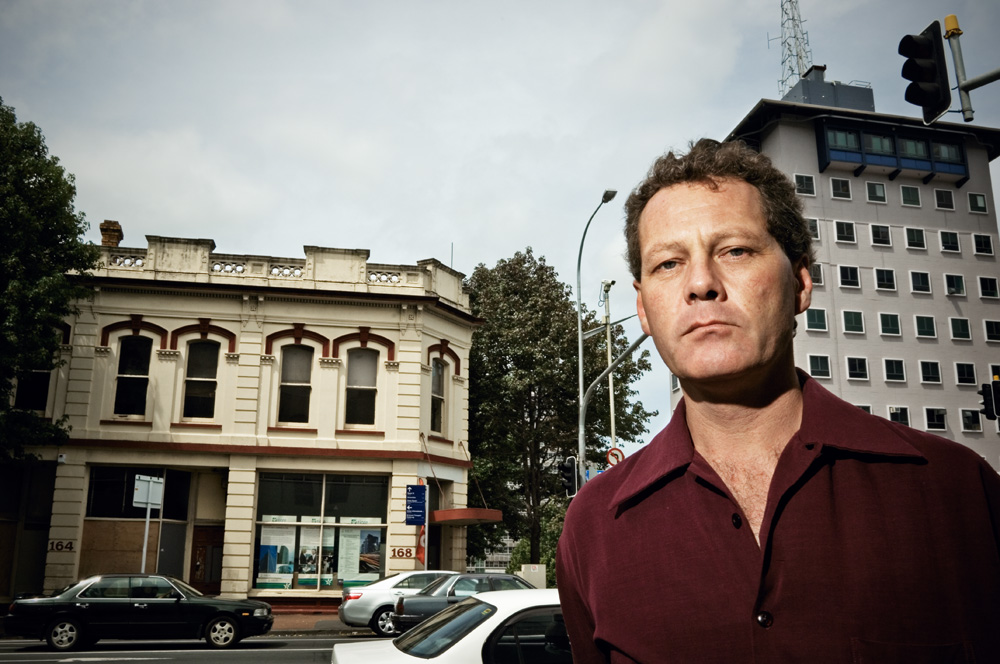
568,475
991,399
927,68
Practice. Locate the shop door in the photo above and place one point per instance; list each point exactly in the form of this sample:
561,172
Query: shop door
206,558
171,558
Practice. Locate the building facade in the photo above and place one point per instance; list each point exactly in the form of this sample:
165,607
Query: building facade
905,314
285,403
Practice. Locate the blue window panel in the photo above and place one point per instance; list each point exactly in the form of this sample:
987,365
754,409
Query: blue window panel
844,155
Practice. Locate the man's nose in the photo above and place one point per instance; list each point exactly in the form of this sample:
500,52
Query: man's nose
703,281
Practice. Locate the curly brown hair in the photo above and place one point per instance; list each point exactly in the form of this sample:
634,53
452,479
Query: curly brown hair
708,162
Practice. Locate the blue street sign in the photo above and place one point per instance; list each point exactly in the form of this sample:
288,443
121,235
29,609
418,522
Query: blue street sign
416,504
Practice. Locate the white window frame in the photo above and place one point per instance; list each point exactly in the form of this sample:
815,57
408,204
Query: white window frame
975,376
840,275
957,293
958,242
836,232
812,182
847,368
979,420
826,322
868,192
916,328
937,204
986,205
996,282
884,269
975,245
445,368
871,234
923,379
813,227
817,276
380,388
183,379
850,192
986,332
843,321
881,324
885,369
279,356
829,367
930,284
902,196
115,343
923,235
904,409
927,410
951,328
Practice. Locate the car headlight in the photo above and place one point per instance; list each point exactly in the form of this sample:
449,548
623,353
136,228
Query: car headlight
261,613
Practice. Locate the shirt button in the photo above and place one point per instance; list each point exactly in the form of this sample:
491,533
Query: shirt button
737,521
765,619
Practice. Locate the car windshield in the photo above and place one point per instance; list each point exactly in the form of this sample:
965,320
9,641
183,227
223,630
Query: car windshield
434,585
443,630
188,590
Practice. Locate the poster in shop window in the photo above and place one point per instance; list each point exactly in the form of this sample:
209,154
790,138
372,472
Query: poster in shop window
314,560
276,562
360,556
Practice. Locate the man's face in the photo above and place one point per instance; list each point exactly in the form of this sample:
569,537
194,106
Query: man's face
718,294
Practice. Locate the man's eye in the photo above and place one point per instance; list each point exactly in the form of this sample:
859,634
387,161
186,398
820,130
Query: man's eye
737,251
668,265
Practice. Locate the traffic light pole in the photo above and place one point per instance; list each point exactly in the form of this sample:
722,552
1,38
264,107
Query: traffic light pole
952,33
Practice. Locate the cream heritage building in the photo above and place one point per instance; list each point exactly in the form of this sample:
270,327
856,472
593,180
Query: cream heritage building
286,403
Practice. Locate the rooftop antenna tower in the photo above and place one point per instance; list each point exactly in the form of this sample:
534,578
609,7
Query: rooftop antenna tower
796,56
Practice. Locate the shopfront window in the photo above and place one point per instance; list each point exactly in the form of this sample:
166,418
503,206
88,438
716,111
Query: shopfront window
320,532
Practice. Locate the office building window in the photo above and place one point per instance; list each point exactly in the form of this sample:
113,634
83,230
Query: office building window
816,273
912,148
840,188
984,244
889,325
854,322
864,407
885,279
925,326
849,277
816,320
944,199
362,374
675,384
915,238
949,241
845,231
895,371
840,139
111,490
900,414
971,422
954,284
920,282
965,373
977,203
947,152
857,368
805,185
992,330
876,192
988,287
438,372
819,366
133,375
295,388
930,372
960,329
935,419
880,235
909,195
199,383
813,228
875,144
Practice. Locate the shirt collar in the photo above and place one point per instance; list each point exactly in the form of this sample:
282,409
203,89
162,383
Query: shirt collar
827,421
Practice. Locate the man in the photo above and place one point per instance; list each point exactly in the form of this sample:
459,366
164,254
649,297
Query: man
770,521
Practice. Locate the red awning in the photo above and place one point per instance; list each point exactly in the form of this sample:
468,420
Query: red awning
466,516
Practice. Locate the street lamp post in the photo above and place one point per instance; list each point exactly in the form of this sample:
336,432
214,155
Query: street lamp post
581,442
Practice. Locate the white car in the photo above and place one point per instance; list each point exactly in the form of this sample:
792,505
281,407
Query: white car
500,626
371,605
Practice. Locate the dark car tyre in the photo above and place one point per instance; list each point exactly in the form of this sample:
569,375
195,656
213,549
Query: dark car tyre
64,634
222,632
381,622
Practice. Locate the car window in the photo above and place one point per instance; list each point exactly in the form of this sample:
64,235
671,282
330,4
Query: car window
416,581
114,587
443,630
434,585
533,637
509,583
465,587
151,588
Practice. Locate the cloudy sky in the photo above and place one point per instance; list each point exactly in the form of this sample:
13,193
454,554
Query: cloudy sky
452,129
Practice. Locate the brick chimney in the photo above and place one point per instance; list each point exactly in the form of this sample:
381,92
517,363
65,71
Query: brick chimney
111,233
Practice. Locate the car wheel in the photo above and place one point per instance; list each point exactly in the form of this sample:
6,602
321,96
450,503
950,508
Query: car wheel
64,634
381,622
222,632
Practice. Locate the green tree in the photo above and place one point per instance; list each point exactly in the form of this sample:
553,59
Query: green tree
42,250
523,395
553,515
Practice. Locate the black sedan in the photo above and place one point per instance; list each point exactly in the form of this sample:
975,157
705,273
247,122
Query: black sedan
135,606
411,610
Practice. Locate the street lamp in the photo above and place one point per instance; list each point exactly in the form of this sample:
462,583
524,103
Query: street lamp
608,195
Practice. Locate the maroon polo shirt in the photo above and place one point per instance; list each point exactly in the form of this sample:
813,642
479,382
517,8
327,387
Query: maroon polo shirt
879,544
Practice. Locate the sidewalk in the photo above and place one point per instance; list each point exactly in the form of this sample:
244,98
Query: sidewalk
317,623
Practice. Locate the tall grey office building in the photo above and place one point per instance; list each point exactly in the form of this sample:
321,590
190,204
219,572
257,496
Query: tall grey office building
905,315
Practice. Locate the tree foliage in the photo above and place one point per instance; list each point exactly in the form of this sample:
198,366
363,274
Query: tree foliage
42,247
523,395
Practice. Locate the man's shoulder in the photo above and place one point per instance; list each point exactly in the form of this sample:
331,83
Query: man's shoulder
599,495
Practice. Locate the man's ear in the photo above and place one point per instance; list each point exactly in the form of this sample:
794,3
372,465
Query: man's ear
803,284
637,285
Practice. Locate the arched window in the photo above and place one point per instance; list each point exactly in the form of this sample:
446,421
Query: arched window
133,375
200,379
296,375
438,372
362,373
